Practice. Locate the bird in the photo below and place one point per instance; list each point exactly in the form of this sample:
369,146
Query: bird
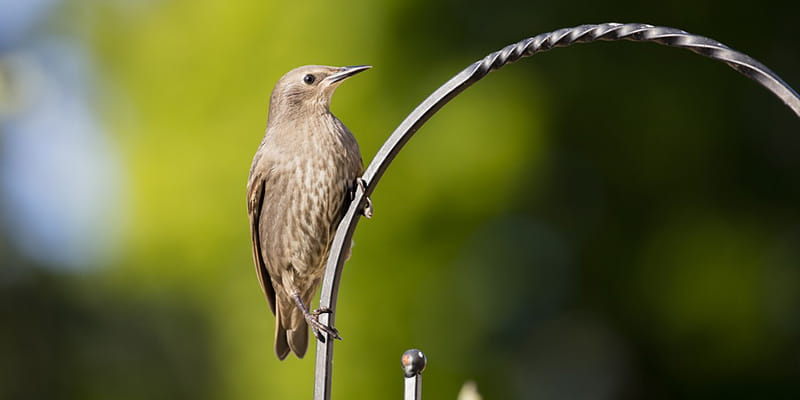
303,176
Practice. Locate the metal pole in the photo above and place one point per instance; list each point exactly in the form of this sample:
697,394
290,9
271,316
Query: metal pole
413,388
413,362
672,37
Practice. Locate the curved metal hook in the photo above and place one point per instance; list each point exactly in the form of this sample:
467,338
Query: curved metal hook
672,37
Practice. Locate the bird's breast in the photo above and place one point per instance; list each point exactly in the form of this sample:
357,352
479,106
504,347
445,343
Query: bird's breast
317,173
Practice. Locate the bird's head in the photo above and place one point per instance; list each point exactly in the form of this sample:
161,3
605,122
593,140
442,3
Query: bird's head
308,89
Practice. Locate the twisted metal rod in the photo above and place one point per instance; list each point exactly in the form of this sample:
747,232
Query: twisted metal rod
672,37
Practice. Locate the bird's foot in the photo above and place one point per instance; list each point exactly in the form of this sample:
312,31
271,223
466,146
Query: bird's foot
318,327
312,318
367,210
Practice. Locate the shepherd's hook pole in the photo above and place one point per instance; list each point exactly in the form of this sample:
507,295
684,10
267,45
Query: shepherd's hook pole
672,37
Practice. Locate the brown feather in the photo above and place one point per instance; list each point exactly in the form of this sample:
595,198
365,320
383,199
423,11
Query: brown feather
298,187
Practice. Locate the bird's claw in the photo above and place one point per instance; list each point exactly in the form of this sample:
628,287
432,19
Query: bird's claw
367,210
312,318
323,310
318,327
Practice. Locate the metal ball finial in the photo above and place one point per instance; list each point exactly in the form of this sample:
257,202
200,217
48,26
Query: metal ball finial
413,362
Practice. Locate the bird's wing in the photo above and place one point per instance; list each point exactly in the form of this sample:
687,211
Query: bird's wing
255,197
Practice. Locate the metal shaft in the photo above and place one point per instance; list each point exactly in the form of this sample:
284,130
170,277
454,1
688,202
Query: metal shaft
672,37
413,388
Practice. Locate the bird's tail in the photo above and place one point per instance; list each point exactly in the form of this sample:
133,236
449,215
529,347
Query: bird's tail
291,330
281,345
298,338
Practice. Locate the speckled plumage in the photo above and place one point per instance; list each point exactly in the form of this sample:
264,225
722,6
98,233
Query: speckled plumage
301,176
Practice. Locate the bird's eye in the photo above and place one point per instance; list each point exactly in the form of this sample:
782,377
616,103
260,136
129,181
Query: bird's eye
309,79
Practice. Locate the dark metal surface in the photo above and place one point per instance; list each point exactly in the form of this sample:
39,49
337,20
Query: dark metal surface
413,362
473,73
412,387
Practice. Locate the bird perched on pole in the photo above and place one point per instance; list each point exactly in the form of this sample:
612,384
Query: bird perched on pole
301,181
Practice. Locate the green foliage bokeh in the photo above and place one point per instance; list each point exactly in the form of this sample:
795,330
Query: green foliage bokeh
607,221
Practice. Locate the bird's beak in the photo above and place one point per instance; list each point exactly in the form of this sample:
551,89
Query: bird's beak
346,72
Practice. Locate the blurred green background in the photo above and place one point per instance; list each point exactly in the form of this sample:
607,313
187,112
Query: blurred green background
607,221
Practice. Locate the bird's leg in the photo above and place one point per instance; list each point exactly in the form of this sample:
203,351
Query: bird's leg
367,210
312,318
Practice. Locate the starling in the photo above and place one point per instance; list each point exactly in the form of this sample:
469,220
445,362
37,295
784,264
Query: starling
301,182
